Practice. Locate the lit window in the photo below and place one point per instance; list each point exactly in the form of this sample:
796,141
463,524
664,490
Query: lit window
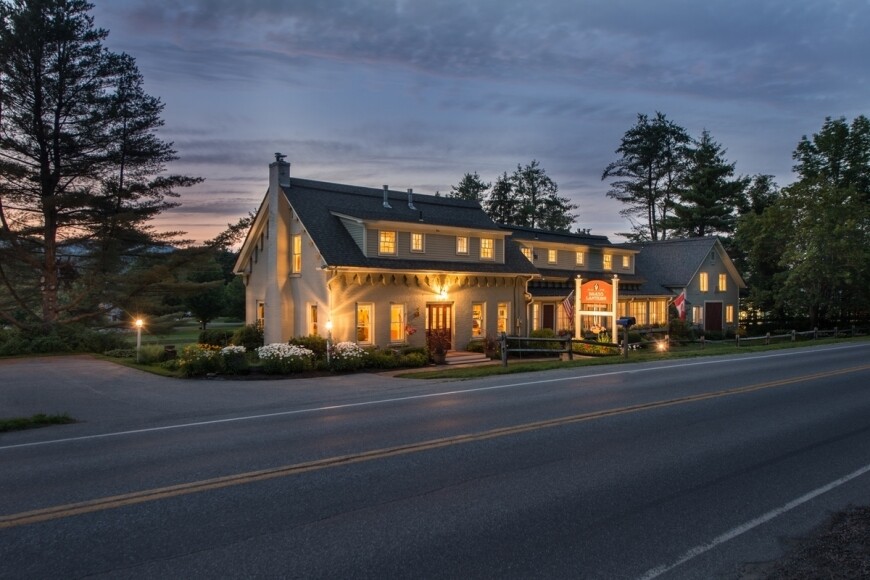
703,282
416,242
536,316
486,248
729,314
723,283
461,245
502,325
527,252
261,315
397,323
387,243
581,258
625,262
608,262
551,256
477,319
297,253
312,319
698,314
364,323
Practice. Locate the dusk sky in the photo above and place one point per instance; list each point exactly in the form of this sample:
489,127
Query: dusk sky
416,93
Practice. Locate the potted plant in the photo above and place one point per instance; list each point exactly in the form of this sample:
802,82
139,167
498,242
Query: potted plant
438,342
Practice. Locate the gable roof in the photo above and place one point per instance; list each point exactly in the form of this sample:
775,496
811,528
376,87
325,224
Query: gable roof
317,203
672,264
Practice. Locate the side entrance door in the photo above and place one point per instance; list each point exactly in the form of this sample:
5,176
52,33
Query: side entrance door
439,321
713,316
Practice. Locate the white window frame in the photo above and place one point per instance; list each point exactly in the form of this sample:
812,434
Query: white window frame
503,317
729,314
313,318
722,284
480,331
626,262
527,252
385,242
580,259
607,262
552,256
703,282
422,239
371,324
487,248
296,263
397,327
462,245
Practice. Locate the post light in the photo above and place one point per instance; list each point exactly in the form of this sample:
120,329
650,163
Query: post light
139,324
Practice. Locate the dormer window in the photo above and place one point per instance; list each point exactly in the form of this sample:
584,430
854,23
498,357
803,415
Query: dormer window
416,242
581,258
527,252
551,256
461,245
487,248
626,262
608,262
387,242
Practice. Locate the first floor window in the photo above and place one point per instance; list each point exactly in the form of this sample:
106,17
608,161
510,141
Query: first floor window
261,314
503,313
477,319
698,314
729,314
364,317
397,323
536,316
312,319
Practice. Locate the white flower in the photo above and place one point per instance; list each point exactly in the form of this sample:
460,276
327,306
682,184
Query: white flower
228,350
348,350
281,350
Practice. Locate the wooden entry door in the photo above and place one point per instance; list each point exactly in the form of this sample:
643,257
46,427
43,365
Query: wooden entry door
713,316
549,316
439,320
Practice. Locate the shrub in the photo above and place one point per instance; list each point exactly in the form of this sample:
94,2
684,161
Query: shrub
414,359
198,360
348,356
476,346
121,353
314,343
234,360
151,354
383,359
543,333
67,338
215,337
250,337
280,358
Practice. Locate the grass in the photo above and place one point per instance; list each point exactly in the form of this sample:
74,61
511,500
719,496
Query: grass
676,352
36,421
184,333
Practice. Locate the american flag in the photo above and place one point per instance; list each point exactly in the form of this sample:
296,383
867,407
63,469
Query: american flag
568,305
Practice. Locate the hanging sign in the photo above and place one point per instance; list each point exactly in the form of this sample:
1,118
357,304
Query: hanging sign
596,292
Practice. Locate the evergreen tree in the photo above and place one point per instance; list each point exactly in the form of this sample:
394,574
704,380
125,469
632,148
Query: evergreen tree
471,187
538,204
709,199
81,169
648,174
500,204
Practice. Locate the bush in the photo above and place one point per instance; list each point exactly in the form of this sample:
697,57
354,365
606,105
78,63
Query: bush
476,346
234,360
314,343
121,353
215,337
543,333
151,354
198,360
348,356
414,359
383,359
280,358
66,338
250,337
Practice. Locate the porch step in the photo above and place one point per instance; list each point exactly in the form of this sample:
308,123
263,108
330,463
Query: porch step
460,357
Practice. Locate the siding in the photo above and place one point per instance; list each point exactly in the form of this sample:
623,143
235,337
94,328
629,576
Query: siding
438,247
356,231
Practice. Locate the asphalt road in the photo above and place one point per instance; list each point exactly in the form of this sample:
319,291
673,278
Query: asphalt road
683,469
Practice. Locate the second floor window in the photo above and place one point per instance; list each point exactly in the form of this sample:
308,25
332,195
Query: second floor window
387,242
723,283
608,262
551,256
486,248
416,242
461,245
626,261
580,258
527,252
297,253
703,282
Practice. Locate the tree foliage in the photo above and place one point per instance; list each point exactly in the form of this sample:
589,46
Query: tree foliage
471,187
81,169
648,174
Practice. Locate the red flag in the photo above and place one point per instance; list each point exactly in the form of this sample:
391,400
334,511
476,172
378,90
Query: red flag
568,305
680,303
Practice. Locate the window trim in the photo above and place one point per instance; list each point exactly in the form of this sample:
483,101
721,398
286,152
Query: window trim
422,248
401,323
722,283
382,242
296,251
703,282
580,258
487,253
481,330
607,262
462,249
371,325
552,256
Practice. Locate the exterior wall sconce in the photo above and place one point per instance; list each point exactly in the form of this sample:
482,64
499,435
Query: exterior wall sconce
443,294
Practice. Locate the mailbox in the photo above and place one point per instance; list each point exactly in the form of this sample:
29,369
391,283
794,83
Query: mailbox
626,321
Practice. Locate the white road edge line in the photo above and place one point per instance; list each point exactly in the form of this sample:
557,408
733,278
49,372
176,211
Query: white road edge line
743,528
397,400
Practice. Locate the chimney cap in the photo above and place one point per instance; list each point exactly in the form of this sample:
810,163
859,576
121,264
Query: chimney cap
280,157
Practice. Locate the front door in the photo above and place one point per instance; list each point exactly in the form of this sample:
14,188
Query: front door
439,321
713,316
549,316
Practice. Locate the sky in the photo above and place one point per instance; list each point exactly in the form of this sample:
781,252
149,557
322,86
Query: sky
416,93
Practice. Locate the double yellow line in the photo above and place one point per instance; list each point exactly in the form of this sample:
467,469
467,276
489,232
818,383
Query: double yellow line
116,501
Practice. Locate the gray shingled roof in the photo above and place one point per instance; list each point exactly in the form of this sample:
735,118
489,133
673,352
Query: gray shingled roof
316,201
522,233
670,264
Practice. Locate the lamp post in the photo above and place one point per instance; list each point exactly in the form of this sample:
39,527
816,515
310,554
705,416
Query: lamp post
328,340
139,323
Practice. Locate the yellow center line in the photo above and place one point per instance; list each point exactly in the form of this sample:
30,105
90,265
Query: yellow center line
116,501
